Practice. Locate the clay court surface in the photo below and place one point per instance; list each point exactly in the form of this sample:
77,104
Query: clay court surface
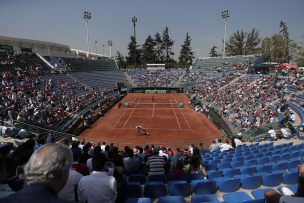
162,118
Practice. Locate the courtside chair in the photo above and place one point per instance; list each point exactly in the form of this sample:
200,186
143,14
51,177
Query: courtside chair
154,190
179,188
138,200
290,178
248,170
259,193
251,182
157,178
272,180
170,199
214,174
230,185
133,190
201,187
137,178
203,198
236,197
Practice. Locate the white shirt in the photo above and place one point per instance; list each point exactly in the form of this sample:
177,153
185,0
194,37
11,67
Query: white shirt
225,147
89,164
97,187
67,191
286,132
237,142
272,133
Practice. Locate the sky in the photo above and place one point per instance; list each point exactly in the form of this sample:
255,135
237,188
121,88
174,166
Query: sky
61,21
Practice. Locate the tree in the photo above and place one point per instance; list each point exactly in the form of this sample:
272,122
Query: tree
134,53
186,53
285,34
252,42
241,43
273,48
213,52
167,44
299,54
121,62
148,51
159,48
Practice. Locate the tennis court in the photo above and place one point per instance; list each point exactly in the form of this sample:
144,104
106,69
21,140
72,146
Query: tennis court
167,117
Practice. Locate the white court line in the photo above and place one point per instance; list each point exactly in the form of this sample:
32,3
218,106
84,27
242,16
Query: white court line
175,116
184,116
131,114
153,110
122,116
152,129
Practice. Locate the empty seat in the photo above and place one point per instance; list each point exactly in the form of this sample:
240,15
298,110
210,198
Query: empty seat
203,198
230,185
223,166
179,188
251,162
175,177
157,178
259,193
251,182
154,189
204,187
293,163
279,166
231,172
170,199
264,168
263,160
290,178
237,164
214,174
285,157
138,200
236,197
248,170
193,176
293,188
272,180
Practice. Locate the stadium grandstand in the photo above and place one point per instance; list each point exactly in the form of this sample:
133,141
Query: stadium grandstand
80,126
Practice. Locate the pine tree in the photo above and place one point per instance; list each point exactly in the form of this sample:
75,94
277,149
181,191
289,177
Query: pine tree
134,53
121,62
213,52
148,51
186,53
159,48
167,44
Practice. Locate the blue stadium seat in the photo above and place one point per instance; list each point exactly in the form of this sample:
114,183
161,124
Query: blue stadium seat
154,190
175,177
290,178
231,172
259,193
170,199
193,176
236,197
272,180
223,166
203,187
137,178
230,185
237,164
179,188
203,198
293,188
293,163
282,165
133,190
251,182
138,200
251,162
214,174
255,201
267,168
248,170
263,160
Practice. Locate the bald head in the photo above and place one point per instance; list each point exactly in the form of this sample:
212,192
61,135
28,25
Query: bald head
49,164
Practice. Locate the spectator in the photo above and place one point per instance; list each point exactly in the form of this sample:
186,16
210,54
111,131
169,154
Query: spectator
130,162
214,146
226,146
196,163
156,163
272,133
97,187
45,174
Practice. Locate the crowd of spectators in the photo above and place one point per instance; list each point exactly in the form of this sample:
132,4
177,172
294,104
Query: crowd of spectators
155,78
26,95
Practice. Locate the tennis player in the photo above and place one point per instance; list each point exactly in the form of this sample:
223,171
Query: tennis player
141,130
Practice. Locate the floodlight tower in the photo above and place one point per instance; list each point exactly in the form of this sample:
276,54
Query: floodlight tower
134,20
96,46
110,44
87,17
225,16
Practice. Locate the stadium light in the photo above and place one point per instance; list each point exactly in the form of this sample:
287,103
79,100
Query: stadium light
96,46
87,17
110,44
134,20
103,45
225,16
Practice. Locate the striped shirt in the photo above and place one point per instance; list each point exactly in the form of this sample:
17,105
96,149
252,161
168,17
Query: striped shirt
156,164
